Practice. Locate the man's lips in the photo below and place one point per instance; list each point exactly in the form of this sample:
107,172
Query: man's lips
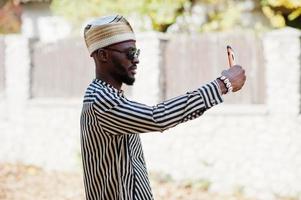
133,69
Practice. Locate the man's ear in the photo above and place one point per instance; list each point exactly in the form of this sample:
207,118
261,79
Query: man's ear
102,55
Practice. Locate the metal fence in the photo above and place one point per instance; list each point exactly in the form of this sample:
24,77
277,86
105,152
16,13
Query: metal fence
64,69
190,60
61,69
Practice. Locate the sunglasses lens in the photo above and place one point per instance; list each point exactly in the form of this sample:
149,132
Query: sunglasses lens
133,53
137,53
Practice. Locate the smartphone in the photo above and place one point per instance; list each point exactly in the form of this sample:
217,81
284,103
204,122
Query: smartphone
231,57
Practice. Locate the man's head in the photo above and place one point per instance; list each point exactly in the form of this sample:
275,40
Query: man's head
111,42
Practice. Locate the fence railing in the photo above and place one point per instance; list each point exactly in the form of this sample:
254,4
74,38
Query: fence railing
170,65
190,60
61,69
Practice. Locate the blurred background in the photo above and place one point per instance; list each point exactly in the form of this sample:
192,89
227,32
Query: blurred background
247,148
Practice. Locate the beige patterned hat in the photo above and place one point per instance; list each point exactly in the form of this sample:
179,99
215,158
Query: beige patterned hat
107,30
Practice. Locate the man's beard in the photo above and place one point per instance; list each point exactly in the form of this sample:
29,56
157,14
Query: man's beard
127,80
123,74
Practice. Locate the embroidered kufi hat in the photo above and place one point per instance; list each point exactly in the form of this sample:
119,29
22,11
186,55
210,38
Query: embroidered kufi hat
106,31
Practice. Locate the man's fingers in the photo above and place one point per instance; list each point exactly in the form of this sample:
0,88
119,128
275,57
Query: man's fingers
231,57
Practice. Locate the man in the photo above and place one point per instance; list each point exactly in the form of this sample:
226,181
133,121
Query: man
113,162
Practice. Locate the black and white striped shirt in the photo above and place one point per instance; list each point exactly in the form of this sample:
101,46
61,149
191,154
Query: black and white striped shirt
113,162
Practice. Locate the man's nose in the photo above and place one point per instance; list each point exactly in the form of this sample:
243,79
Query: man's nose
135,60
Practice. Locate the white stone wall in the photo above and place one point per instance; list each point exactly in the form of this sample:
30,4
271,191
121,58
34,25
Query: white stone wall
45,134
147,85
256,152
17,74
282,50
252,148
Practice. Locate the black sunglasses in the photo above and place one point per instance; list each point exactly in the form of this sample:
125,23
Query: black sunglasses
131,53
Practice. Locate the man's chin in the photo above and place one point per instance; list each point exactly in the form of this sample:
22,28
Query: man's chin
129,81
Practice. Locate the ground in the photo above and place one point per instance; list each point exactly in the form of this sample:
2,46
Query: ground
24,182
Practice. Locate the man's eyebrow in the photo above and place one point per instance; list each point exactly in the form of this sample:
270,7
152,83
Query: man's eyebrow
128,48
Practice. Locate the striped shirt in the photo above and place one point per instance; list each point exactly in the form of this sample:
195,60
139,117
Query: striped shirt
113,161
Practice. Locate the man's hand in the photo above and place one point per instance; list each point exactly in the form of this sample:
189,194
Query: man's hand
236,75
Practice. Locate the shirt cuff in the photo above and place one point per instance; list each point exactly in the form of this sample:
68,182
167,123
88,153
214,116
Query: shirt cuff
211,94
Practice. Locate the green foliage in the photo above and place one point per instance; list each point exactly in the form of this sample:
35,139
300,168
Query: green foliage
222,18
78,10
283,12
220,14
162,13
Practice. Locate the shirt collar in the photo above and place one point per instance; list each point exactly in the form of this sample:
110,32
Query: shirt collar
105,84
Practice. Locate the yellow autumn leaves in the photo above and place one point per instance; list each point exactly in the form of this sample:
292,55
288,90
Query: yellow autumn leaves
277,19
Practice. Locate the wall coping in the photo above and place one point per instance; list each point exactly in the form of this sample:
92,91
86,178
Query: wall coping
284,32
244,109
223,109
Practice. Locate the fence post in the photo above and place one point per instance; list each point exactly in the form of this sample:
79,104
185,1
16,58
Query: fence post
17,72
2,69
282,57
148,86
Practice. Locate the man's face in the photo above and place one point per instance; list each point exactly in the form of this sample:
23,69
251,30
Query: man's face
123,67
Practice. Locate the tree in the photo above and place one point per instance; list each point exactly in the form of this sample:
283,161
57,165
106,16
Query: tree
220,15
283,12
162,13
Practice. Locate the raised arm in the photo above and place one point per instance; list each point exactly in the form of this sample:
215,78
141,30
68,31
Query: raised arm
118,115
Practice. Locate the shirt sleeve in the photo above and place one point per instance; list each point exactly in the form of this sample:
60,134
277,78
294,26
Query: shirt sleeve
118,115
